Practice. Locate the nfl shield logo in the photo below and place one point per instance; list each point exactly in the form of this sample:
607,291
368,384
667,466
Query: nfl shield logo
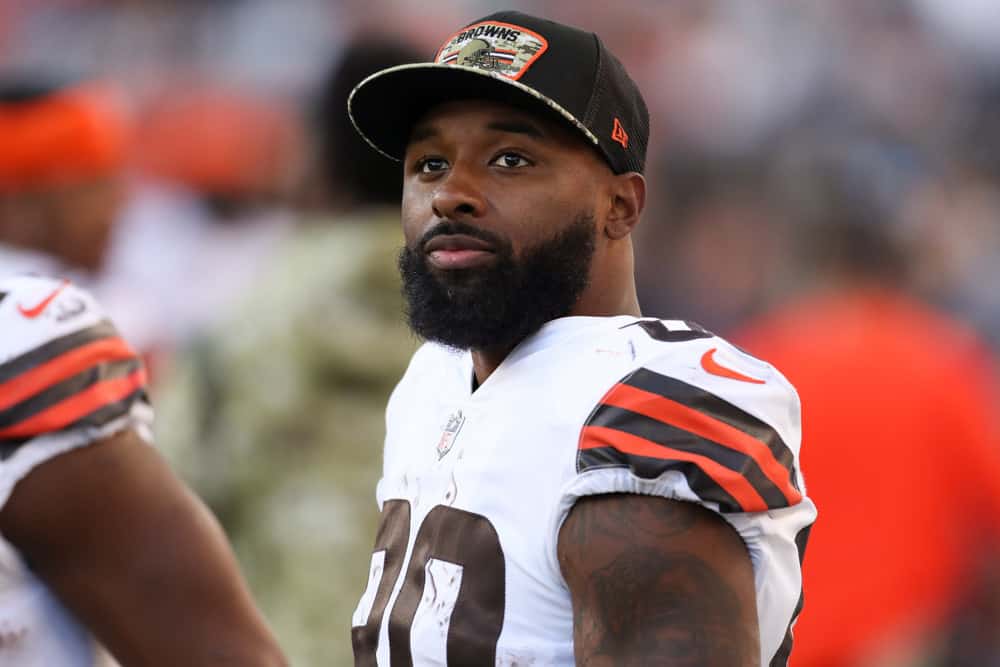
449,433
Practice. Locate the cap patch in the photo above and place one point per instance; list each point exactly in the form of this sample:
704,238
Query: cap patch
504,48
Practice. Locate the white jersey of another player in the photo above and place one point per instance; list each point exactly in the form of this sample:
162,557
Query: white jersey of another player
66,380
477,483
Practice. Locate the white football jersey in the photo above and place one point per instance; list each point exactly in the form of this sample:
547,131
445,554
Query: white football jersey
476,484
66,380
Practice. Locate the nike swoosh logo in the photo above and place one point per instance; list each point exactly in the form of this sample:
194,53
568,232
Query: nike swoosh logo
35,311
710,365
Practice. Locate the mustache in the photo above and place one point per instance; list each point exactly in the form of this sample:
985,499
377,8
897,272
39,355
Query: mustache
449,227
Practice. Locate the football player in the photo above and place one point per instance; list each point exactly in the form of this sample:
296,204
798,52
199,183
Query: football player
99,538
564,479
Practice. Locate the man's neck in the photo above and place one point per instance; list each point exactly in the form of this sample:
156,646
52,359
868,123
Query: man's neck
485,361
614,300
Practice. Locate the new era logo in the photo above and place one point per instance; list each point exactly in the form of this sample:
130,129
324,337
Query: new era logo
619,134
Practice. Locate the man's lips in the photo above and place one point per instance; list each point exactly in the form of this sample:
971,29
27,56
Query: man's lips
458,251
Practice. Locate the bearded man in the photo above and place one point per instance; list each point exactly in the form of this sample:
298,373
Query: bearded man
565,481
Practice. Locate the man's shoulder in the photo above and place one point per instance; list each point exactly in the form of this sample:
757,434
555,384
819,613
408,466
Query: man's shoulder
692,402
435,365
61,360
37,311
686,354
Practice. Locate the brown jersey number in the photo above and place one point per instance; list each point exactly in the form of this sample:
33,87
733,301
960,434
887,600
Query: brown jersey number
446,534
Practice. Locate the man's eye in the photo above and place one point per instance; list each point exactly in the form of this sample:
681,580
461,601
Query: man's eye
511,161
432,164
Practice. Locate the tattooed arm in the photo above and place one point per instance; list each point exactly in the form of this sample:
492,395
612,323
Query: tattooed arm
657,581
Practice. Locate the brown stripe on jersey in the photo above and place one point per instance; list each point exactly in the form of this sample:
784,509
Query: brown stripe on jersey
719,409
77,406
54,348
57,393
111,411
96,419
671,436
671,412
737,486
651,468
8,447
61,368
784,651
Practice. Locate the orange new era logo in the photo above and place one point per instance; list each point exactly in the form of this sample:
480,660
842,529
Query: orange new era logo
619,134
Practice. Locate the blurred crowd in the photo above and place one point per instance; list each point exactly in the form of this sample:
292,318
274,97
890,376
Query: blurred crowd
825,188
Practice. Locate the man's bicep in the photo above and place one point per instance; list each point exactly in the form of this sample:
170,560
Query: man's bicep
657,581
135,556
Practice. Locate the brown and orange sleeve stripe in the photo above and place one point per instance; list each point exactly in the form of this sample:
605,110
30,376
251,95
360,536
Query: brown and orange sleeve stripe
651,423
88,377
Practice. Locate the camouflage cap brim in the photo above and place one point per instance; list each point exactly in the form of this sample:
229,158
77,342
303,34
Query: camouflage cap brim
385,106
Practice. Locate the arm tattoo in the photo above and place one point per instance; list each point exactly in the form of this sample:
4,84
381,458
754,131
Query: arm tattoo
617,520
644,591
689,623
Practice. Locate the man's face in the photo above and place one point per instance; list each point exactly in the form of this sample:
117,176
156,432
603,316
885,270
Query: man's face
498,216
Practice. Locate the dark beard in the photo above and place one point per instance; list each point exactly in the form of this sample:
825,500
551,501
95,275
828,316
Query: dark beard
499,305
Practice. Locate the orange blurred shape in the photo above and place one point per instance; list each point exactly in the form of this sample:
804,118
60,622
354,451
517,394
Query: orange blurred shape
900,445
219,142
72,134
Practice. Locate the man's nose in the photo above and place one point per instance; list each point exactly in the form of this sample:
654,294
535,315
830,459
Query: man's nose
458,196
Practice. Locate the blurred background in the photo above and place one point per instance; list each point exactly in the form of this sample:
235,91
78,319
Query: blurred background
824,183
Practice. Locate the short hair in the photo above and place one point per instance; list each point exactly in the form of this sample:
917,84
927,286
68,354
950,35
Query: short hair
346,160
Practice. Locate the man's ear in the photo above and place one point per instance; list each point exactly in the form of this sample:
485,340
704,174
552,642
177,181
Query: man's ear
628,198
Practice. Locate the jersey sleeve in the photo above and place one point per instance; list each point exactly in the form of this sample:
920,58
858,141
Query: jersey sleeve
67,378
709,448
714,426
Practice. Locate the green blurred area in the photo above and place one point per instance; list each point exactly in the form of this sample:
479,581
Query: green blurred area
275,417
